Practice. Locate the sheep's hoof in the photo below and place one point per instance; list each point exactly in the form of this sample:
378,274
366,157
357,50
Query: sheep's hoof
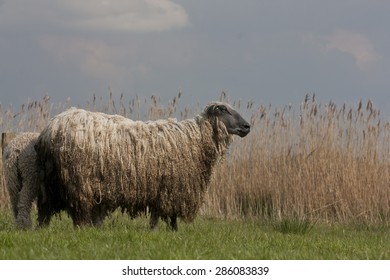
23,223
153,221
153,225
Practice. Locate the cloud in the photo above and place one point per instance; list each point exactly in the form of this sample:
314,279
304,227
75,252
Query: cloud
94,58
59,28
352,43
96,15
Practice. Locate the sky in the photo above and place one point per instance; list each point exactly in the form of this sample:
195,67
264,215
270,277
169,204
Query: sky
265,51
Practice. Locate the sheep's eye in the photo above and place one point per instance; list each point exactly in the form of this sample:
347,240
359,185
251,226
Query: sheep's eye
223,109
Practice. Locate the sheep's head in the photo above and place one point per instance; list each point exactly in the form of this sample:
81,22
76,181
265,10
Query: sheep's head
234,123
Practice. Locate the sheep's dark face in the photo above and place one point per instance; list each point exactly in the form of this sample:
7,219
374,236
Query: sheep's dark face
235,124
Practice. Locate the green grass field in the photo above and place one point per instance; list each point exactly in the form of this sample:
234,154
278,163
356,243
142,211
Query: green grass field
121,238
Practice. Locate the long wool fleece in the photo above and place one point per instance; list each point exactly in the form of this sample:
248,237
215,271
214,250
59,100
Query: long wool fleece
21,176
95,163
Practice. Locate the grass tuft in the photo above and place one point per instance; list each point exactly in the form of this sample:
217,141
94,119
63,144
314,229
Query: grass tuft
294,226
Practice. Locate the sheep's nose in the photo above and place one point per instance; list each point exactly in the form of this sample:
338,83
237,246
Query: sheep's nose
244,129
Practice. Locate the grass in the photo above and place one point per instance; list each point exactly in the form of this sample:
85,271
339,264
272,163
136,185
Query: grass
295,225
206,238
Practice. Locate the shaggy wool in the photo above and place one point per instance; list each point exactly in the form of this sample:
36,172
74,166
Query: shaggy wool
21,176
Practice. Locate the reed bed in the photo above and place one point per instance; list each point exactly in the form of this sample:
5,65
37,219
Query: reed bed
323,162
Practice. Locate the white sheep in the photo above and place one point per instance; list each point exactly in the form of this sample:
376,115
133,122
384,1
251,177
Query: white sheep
21,176
95,163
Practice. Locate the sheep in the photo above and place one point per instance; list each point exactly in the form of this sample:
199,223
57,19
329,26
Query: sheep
95,163
21,176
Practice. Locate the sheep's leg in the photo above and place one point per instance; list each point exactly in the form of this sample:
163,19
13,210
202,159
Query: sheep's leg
153,220
174,222
98,215
23,221
97,222
45,212
27,196
43,217
14,202
78,221
14,195
80,217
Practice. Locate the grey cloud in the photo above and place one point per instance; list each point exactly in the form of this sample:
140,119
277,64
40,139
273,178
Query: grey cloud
91,15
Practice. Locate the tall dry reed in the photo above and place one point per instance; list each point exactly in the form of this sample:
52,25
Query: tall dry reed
322,162
318,161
